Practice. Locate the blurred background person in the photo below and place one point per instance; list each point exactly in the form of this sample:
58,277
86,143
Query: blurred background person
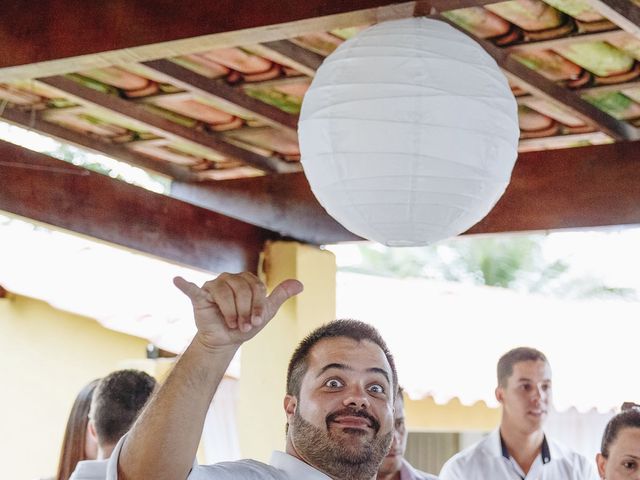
619,457
117,401
78,443
519,448
394,466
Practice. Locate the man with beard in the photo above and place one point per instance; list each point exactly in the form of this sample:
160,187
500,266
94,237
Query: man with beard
519,449
341,385
394,466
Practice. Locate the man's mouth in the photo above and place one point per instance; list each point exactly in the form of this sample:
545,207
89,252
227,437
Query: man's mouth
353,422
357,419
537,412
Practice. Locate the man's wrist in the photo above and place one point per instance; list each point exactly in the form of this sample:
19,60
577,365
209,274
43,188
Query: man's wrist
201,346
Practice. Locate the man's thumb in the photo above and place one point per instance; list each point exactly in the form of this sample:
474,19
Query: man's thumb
283,292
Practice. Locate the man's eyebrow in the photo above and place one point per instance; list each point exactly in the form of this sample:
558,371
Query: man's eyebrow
342,366
339,366
381,371
526,379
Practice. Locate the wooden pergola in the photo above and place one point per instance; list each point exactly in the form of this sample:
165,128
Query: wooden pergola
207,93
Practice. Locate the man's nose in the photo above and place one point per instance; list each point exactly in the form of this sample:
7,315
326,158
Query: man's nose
539,394
357,396
396,440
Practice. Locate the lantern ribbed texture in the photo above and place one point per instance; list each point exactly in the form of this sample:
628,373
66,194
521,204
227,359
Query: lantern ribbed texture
408,133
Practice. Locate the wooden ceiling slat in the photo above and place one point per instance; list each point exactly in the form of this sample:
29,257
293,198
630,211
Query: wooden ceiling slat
33,121
56,38
219,91
614,87
160,126
624,13
101,207
568,188
550,44
291,55
540,86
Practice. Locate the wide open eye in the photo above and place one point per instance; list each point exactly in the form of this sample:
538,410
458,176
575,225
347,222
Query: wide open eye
333,383
376,388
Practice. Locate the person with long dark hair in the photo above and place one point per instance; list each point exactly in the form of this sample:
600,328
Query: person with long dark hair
78,443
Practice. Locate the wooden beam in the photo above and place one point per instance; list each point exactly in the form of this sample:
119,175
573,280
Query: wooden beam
576,187
281,203
614,87
219,91
567,41
538,85
291,55
44,40
158,125
556,141
58,193
33,121
446,5
624,13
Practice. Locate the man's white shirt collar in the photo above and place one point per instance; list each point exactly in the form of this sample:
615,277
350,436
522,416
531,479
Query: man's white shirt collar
548,453
296,468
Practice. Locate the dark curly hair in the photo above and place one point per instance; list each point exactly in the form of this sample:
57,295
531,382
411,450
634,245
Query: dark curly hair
117,401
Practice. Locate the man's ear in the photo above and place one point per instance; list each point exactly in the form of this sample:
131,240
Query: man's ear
602,463
91,429
499,394
290,405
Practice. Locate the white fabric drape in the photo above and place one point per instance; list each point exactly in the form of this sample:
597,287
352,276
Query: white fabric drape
447,338
220,435
582,431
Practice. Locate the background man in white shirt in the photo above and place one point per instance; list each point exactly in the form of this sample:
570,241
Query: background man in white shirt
341,387
519,449
115,405
395,466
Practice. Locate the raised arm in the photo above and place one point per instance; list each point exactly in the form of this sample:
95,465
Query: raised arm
228,311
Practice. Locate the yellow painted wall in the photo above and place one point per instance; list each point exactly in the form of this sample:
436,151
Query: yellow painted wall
264,359
47,357
427,415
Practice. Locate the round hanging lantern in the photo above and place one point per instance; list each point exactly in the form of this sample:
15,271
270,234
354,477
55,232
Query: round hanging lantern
408,133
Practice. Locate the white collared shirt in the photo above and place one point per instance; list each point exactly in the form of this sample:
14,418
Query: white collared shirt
408,472
90,470
282,466
487,460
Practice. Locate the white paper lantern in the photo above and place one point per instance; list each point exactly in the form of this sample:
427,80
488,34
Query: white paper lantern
408,133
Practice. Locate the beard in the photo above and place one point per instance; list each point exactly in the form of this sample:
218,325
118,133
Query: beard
345,454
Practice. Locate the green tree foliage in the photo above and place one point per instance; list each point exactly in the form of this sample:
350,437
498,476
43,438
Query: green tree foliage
516,262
